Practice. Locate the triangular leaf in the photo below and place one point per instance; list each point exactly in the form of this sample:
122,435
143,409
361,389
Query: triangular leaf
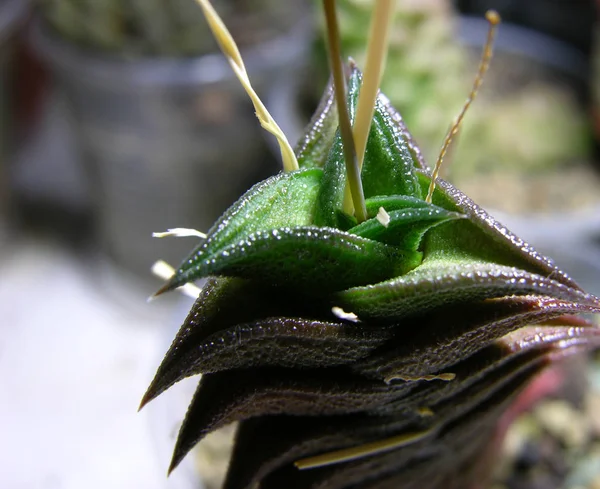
242,394
330,197
406,227
287,199
278,341
432,344
393,203
315,260
223,304
395,120
314,146
388,165
442,282
480,237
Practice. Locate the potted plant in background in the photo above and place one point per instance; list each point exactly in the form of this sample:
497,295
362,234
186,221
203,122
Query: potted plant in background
158,118
12,17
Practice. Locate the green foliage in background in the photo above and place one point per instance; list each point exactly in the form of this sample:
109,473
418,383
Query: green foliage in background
532,127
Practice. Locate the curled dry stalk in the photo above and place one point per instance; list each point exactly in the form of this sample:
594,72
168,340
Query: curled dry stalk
377,352
232,53
494,19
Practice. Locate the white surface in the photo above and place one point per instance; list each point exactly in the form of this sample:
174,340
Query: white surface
73,367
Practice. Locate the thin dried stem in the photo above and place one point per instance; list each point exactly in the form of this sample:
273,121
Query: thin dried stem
232,53
377,49
339,84
361,451
494,19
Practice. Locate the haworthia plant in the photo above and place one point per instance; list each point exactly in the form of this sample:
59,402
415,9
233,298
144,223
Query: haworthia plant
381,353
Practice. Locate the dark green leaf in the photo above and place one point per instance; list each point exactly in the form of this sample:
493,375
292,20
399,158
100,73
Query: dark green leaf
481,238
278,341
393,203
441,282
285,200
434,343
313,148
388,165
315,260
406,227
237,395
330,197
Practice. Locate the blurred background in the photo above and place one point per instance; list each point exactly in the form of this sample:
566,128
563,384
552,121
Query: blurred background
120,117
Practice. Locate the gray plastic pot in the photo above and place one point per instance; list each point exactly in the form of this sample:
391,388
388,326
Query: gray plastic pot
12,16
571,239
166,142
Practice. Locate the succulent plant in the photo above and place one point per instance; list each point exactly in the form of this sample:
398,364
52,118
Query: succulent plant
373,354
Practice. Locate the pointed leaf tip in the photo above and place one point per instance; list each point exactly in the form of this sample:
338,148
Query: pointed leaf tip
173,465
310,258
284,200
147,397
170,285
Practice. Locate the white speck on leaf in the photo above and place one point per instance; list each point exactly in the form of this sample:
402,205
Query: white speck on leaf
383,217
348,316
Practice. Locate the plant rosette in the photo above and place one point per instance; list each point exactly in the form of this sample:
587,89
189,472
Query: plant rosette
371,354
